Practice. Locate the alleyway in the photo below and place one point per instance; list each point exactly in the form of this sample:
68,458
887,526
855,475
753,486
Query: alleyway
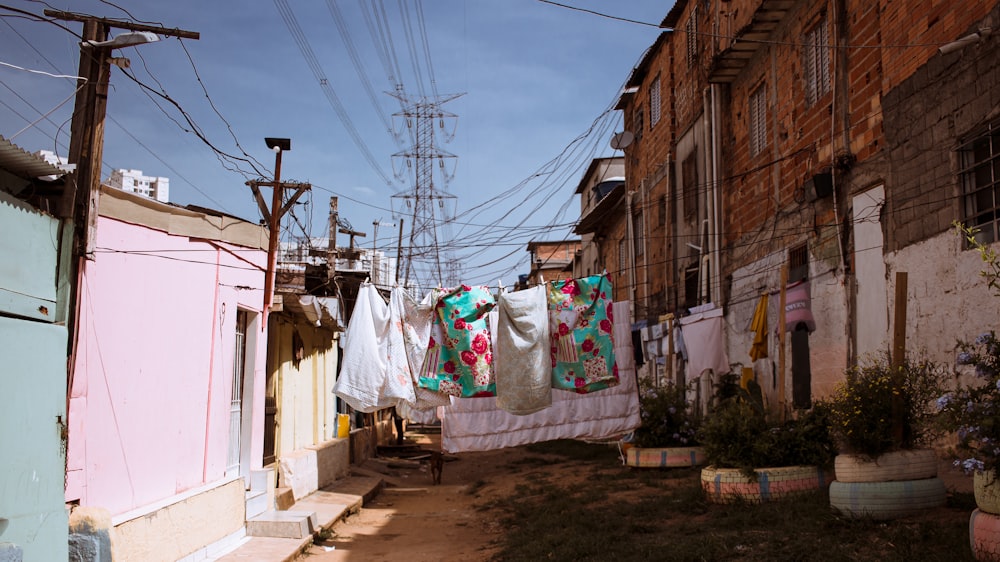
413,520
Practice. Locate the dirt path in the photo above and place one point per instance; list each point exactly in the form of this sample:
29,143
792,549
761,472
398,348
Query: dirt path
413,520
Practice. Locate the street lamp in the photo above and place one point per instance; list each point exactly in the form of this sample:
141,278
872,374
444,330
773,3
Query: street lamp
130,39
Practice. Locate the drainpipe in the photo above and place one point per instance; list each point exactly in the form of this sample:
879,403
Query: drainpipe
716,202
631,250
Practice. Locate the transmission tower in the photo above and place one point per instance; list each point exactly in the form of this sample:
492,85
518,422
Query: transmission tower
425,201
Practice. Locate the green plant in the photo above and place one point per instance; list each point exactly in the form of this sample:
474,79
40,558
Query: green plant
668,419
862,414
741,433
973,410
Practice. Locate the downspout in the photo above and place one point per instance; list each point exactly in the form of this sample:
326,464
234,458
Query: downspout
716,202
211,365
631,250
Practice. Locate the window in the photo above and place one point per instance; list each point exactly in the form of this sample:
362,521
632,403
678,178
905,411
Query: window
798,263
664,208
758,121
654,103
691,285
637,123
622,256
980,179
689,186
816,63
638,234
691,30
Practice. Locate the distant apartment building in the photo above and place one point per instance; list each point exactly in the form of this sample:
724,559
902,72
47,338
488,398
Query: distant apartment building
133,180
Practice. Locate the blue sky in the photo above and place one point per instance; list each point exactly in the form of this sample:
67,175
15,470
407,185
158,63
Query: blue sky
535,79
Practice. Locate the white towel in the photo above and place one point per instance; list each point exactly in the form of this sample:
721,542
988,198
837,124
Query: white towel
416,320
522,354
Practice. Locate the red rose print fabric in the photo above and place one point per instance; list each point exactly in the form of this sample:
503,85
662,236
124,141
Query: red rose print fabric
580,317
459,360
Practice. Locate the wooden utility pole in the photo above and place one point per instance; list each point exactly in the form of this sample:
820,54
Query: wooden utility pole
86,145
273,215
899,355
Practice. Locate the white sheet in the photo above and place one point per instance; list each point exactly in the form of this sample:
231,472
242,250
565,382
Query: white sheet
374,374
703,338
478,424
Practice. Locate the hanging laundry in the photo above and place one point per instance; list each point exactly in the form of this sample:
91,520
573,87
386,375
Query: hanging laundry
480,425
580,318
415,319
798,308
374,373
758,325
522,357
459,360
703,339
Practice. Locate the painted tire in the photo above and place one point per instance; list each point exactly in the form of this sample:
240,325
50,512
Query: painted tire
987,491
664,457
984,535
729,485
891,467
887,500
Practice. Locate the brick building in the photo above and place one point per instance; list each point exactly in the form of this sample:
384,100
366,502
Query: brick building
829,144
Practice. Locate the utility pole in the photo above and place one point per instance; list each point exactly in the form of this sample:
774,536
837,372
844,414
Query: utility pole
273,215
86,146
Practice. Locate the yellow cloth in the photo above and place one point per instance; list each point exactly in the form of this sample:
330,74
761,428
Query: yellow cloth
759,327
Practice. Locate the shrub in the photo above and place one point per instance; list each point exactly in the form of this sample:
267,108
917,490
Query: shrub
973,411
861,408
741,433
668,420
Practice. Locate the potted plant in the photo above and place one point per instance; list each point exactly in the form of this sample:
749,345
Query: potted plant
883,420
667,437
756,456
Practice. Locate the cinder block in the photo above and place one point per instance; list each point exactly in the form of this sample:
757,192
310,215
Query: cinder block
284,498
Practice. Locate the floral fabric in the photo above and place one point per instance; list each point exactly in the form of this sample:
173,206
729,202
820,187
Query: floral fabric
459,360
580,325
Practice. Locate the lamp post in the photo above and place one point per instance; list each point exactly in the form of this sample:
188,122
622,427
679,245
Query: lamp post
274,223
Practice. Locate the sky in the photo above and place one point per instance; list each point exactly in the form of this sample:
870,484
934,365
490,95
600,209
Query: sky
531,85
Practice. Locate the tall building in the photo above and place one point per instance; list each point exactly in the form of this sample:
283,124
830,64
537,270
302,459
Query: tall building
132,180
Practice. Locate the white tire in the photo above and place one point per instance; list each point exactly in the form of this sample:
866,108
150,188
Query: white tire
917,464
887,500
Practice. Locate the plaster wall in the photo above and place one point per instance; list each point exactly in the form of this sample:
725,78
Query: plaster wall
150,399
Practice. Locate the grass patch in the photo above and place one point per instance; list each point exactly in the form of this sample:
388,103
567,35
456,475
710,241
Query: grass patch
616,513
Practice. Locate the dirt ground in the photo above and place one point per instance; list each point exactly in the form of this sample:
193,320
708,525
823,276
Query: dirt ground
413,520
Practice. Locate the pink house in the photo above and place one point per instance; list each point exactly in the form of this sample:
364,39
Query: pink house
166,402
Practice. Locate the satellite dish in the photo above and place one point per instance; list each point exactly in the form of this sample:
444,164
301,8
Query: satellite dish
621,140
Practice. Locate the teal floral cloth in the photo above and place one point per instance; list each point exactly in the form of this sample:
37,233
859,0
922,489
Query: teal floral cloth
580,319
459,360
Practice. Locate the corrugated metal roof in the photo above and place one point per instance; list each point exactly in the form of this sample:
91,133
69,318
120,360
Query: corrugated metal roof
24,164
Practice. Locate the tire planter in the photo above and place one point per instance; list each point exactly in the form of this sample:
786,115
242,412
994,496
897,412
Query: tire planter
664,457
729,485
987,491
984,535
896,466
887,500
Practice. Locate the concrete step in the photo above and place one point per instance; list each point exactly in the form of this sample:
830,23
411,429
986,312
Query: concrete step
283,524
256,503
284,498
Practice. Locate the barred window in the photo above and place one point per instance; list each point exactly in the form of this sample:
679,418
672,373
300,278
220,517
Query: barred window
654,103
758,121
691,30
816,62
638,234
980,180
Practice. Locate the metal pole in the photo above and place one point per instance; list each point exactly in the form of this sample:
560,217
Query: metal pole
399,249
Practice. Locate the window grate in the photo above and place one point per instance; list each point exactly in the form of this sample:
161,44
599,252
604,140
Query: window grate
980,180
816,62
758,121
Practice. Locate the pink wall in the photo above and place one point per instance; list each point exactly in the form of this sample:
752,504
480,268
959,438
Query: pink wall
154,365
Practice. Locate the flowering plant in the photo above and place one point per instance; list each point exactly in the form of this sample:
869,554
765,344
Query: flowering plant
740,432
668,419
973,410
861,408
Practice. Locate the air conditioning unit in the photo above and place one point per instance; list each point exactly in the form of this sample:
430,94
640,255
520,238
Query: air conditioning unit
818,186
